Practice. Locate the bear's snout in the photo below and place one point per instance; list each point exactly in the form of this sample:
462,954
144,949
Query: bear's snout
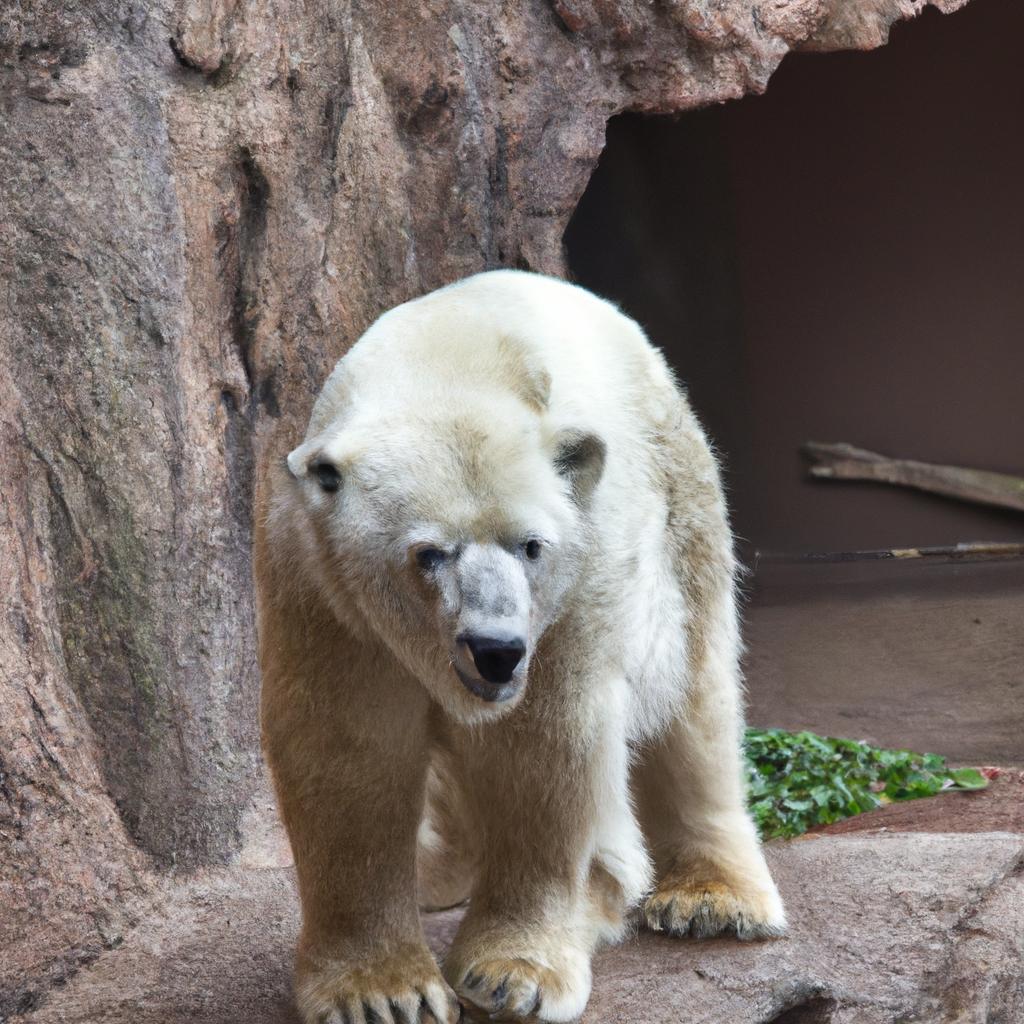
495,658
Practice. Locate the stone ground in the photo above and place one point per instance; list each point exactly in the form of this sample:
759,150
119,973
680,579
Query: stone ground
912,913
912,653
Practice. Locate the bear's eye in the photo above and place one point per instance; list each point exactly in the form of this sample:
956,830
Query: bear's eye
327,476
429,559
532,549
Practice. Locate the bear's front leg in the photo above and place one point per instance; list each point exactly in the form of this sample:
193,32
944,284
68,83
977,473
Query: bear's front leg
712,877
561,858
346,737
689,783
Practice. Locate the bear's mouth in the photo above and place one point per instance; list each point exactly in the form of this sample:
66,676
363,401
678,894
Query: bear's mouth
493,693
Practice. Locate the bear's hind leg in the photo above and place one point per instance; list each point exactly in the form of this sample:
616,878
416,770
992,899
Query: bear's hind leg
446,847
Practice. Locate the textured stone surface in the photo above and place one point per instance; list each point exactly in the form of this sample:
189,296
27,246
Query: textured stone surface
202,204
898,927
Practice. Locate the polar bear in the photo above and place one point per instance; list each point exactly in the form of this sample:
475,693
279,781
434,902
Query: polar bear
499,647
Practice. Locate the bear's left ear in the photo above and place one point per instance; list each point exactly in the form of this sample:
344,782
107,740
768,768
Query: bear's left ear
579,457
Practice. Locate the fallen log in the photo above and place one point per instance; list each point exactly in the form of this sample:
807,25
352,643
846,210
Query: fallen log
845,462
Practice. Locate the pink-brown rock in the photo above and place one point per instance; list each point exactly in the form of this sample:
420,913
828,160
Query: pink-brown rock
884,928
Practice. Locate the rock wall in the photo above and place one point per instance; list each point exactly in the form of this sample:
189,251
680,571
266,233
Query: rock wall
202,204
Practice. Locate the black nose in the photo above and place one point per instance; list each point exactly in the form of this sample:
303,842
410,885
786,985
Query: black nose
495,660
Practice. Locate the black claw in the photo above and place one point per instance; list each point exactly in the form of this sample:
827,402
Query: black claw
372,1016
424,1012
399,1015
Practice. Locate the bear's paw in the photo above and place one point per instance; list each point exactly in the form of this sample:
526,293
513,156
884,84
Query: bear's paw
403,987
704,907
553,989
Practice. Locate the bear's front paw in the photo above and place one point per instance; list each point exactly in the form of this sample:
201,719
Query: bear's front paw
702,905
400,987
549,988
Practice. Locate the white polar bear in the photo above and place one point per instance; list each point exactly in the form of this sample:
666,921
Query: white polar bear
499,646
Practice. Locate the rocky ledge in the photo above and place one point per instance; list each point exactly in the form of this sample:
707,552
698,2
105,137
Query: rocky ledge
886,926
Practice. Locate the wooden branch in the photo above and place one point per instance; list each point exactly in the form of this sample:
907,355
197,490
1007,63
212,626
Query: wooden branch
845,462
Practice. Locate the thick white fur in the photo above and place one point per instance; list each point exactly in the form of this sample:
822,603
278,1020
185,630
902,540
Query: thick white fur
607,774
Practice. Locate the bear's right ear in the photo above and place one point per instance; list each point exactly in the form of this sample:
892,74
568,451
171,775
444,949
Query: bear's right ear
298,460
579,457
311,459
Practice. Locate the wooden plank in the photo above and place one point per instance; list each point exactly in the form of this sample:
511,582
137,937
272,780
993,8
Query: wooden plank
845,462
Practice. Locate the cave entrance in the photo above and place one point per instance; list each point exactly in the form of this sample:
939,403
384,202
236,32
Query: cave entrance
842,259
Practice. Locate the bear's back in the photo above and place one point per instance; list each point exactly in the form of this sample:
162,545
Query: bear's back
558,348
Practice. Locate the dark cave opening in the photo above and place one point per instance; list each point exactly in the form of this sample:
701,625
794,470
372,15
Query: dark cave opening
840,259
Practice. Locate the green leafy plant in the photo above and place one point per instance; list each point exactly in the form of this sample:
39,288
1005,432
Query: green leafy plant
798,779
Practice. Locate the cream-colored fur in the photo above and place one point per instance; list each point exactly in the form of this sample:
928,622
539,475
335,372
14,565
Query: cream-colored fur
507,457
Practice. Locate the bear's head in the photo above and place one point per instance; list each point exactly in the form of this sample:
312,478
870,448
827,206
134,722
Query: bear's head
456,536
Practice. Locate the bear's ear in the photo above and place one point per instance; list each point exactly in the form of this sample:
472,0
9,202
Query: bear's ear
579,457
311,459
298,461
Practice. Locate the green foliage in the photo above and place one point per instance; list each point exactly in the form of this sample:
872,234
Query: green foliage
797,779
